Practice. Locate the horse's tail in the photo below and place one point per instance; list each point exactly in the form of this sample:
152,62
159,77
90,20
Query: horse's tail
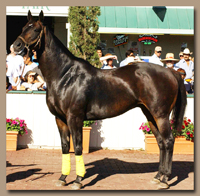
181,101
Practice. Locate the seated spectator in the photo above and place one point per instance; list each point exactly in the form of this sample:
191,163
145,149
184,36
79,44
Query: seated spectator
186,64
31,83
169,60
8,85
107,56
29,65
129,53
186,83
109,61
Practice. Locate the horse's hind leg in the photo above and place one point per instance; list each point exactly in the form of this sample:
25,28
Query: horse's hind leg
154,128
158,137
65,142
168,141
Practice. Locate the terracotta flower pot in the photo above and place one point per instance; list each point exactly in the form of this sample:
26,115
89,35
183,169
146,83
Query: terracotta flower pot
86,140
11,140
181,145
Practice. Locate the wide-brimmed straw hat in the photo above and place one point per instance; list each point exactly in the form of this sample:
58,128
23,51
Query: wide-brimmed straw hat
169,57
187,51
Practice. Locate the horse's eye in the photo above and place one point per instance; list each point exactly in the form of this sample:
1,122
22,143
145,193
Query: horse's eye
37,30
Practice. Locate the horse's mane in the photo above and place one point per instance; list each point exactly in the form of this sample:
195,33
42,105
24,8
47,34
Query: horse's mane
52,39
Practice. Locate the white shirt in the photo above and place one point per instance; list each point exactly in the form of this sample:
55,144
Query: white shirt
155,59
31,86
188,69
123,63
17,61
15,66
29,67
107,67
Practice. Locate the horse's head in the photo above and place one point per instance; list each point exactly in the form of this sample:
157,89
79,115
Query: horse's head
31,35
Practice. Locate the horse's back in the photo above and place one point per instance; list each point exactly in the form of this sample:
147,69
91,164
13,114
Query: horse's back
115,91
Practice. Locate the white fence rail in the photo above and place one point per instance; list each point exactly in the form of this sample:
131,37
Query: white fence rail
120,132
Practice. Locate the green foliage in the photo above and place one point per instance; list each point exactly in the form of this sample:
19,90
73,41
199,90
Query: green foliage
84,37
88,123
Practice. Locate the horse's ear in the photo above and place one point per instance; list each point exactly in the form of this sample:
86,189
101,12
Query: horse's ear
41,16
29,15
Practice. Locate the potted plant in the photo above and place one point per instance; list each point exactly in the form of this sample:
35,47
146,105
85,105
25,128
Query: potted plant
184,139
13,128
86,136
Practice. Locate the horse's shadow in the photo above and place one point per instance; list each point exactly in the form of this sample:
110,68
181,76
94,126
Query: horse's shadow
108,167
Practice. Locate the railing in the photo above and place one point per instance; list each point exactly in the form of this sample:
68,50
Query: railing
121,132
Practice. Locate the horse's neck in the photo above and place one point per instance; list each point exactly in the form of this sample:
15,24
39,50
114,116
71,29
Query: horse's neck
54,56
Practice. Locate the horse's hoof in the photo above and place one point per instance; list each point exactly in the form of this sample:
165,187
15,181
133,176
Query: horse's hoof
76,186
60,183
155,181
163,185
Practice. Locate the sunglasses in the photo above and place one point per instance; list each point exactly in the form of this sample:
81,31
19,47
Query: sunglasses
31,76
131,55
181,56
159,51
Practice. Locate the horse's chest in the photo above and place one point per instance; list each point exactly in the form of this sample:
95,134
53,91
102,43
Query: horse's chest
53,106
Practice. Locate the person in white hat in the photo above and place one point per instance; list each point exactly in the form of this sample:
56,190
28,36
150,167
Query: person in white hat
169,60
155,58
186,64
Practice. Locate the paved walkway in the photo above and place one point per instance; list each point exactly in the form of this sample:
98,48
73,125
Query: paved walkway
39,169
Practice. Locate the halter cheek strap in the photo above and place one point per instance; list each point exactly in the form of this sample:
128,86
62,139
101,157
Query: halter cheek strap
37,40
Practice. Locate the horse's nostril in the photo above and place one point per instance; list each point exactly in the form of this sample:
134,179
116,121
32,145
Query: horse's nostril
19,44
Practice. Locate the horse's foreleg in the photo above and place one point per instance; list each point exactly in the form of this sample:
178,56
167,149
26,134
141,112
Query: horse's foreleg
76,125
65,142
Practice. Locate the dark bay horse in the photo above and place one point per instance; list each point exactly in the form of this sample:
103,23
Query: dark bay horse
77,91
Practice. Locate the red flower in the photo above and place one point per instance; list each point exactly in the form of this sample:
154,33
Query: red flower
188,133
186,124
191,135
189,120
183,127
8,120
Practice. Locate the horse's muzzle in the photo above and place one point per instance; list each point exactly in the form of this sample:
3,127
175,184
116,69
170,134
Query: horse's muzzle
18,46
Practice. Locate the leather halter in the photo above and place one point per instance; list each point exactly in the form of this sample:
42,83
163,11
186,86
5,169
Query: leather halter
37,40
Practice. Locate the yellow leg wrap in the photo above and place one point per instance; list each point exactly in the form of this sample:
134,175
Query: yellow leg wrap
66,164
80,167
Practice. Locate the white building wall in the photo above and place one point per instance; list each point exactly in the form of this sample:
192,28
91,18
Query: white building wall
121,132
